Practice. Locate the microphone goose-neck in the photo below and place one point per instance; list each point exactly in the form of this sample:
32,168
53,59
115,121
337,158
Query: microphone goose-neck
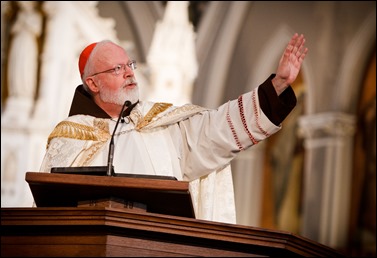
110,171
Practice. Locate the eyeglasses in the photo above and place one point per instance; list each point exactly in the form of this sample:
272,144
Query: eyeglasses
120,68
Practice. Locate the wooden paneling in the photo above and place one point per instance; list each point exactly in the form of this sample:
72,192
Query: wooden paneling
107,232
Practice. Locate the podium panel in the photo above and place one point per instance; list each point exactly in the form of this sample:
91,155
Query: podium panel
113,232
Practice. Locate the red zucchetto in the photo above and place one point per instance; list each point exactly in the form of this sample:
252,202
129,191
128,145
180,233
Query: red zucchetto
84,57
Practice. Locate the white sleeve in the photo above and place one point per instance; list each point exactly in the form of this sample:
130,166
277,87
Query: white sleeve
211,139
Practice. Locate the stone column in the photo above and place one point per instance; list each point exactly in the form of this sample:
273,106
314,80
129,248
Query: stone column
328,142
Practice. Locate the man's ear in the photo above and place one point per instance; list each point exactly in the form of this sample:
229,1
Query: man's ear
92,85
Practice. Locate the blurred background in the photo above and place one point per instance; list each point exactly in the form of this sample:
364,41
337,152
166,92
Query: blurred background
315,178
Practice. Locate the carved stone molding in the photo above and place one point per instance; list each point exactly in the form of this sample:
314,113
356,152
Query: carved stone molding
326,125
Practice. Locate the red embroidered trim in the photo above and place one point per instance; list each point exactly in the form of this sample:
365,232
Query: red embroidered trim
240,106
256,115
233,130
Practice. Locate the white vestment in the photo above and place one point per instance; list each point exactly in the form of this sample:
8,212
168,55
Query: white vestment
189,142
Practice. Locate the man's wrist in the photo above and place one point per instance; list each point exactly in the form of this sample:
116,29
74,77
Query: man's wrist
279,85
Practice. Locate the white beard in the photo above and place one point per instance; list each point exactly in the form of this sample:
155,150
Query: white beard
119,96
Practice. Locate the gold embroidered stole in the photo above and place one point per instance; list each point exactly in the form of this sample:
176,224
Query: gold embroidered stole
152,113
98,132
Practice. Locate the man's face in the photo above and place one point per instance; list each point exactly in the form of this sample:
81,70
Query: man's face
115,77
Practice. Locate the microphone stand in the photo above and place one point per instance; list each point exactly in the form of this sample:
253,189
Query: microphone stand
111,145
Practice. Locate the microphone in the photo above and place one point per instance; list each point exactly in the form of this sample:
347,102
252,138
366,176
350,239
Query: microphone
111,145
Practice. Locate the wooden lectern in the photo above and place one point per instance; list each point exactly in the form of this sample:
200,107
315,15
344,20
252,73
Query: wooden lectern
64,225
161,196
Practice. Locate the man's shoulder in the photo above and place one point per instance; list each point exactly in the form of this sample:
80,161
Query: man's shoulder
84,122
146,106
81,119
81,127
161,114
